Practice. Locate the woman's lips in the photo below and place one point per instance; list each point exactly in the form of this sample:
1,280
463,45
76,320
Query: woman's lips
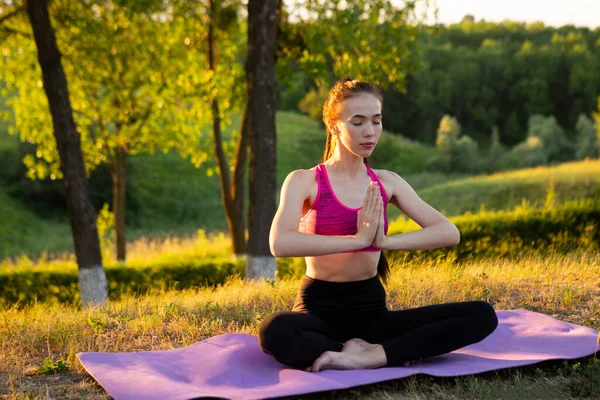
368,145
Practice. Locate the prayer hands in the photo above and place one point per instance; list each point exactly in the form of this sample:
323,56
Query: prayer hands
380,237
370,215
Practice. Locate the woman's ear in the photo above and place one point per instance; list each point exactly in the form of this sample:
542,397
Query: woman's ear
334,128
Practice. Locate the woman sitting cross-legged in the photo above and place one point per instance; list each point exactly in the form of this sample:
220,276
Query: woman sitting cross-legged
335,215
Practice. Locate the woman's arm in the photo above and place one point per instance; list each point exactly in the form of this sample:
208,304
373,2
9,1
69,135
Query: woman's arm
286,241
437,230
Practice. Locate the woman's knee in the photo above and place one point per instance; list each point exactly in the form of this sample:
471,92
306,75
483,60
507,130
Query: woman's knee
274,332
485,316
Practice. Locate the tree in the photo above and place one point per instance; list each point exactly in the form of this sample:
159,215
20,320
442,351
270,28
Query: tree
495,152
135,89
222,17
458,153
346,39
556,146
82,216
448,134
260,78
587,142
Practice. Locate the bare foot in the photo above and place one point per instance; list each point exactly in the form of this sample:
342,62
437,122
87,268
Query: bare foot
371,356
357,345
336,360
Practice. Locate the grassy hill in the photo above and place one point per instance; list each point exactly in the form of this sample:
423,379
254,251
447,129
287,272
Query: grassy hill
167,195
501,191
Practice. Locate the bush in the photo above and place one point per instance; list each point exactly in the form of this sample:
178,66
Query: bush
554,142
456,153
495,152
467,155
28,286
529,153
587,142
571,226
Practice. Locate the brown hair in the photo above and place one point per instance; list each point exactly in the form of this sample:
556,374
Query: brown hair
344,89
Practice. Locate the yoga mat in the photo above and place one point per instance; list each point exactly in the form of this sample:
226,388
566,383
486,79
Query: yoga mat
234,367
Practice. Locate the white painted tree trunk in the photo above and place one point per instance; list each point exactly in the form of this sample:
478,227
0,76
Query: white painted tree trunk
93,286
258,267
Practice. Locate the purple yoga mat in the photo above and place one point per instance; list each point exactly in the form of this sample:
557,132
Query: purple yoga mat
234,367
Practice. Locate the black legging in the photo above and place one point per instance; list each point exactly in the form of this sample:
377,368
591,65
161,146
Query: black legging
326,314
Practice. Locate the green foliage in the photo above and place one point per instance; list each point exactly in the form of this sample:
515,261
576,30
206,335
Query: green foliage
25,286
488,73
586,384
346,41
529,153
457,153
138,82
128,100
553,140
50,367
565,228
496,152
587,142
105,222
447,135
467,152
312,103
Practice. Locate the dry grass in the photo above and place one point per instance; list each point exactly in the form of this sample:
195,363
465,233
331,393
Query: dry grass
562,286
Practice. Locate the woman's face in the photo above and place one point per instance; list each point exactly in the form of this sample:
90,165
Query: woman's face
359,125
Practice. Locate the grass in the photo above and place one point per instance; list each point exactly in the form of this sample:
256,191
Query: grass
172,319
21,230
501,191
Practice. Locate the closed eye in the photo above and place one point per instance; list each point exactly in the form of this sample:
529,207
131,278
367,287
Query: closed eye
360,123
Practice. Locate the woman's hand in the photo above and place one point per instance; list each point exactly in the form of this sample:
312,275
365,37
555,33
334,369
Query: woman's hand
380,237
369,215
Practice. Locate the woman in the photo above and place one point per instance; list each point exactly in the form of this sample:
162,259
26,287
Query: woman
335,215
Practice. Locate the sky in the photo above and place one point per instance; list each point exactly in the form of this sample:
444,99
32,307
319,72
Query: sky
551,12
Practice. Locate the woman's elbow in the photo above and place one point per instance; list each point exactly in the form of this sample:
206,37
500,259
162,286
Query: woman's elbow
276,247
455,235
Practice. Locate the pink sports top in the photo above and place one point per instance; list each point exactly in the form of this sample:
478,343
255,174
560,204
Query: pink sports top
328,216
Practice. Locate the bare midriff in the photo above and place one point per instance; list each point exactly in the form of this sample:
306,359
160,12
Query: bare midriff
343,267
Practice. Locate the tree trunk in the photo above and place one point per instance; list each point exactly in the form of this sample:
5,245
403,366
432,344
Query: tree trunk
82,216
232,194
239,187
260,78
119,178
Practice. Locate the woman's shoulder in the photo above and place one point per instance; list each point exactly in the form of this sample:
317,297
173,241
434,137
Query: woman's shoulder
301,176
385,175
393,183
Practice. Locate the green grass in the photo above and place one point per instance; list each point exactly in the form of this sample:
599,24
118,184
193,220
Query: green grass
171,319
21,230
502,191
507,190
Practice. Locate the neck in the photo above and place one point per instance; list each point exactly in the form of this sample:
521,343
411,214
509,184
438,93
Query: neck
347,165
